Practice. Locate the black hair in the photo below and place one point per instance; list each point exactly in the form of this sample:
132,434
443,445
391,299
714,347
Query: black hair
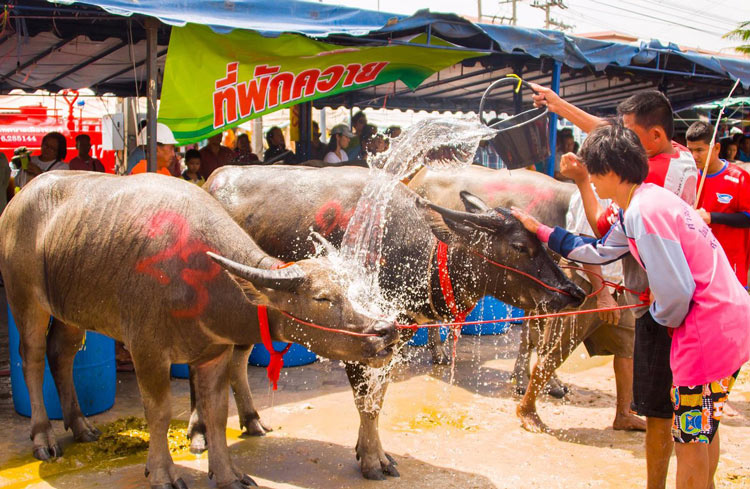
81,136
650,108
612,147
269,134
62,144
192,153
356,117
331,147
389,132
725,143
700,131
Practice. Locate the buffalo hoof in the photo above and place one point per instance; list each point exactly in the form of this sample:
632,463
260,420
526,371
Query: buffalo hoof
178,484
556,389
47,453
88,435
387,468
198,443
254,427
530,421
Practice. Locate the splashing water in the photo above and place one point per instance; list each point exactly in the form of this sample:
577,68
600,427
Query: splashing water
436,143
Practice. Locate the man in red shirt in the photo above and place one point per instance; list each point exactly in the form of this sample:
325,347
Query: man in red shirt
84,160
724,203
165,143
214,155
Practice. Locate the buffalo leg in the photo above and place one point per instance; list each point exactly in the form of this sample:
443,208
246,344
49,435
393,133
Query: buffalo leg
369,393
530,340
437,347
211,385
561,337
63,342
32,322
152,373
248,415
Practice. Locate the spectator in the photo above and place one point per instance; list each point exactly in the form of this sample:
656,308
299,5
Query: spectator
139,153
393,132
193,163
84,161
359,121
317,146
366,135
277,148
376,144
744,149
165,142
340,136
214,155
243,155
51,157
729,150
565,144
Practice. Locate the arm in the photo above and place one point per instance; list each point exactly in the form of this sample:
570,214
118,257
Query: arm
669,277
603,298
572,167
732,219
545,96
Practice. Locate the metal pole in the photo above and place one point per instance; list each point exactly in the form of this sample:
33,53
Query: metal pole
553,121
151,28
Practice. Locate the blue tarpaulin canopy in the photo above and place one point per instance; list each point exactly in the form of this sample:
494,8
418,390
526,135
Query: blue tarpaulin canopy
99,44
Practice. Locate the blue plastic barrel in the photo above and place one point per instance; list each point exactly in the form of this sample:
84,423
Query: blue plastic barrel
489,308
180,371
296,356
421,337
94,376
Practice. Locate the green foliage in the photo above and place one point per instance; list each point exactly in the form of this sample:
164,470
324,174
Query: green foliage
742,33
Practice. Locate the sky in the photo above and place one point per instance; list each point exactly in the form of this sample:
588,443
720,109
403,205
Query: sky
693,23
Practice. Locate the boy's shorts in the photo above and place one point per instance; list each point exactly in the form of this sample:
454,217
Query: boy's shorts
652,375
698,409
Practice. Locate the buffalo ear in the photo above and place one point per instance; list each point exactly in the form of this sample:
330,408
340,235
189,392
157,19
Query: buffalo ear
474,204
253,295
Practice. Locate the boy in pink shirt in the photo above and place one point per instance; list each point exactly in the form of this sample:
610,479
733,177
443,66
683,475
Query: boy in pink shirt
694,290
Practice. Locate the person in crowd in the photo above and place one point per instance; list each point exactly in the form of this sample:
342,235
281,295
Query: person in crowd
377,144
743,154
84,160
193,163
214,155
340,136
724,203
565,145
243,155
165,143
359,121
729,150
360,152
318,147
393,132
694,293
139,153
277,151
51,157
649,115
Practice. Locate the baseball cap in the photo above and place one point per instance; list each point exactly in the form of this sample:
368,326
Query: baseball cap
163,135
343,130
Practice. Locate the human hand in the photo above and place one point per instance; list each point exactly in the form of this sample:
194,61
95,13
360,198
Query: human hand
604,300
706,216
528,221
572,167
33,169
544,96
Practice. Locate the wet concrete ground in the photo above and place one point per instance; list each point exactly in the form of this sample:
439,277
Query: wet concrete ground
463,435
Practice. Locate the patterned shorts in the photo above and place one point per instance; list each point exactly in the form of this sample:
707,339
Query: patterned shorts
698,409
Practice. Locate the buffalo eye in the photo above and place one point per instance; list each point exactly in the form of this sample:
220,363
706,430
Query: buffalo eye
322,299
519,247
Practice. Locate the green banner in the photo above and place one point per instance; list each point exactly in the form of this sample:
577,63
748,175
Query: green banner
216,81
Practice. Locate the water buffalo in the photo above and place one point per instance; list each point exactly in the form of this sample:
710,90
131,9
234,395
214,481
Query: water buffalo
279,207
129,258
548,200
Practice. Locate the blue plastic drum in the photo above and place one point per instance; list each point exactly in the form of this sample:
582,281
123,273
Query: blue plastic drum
94,376
489,308
180,371
296,356
420,338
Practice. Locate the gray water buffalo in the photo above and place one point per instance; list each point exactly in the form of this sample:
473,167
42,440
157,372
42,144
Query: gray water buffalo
142,259
279,207
548,200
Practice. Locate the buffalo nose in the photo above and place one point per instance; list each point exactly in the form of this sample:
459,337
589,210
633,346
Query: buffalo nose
386,329
576,293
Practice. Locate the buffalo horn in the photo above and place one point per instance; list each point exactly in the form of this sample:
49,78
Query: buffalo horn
327,246
462,217
287,278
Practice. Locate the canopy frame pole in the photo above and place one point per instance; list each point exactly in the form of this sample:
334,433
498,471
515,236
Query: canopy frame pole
152,26
556,72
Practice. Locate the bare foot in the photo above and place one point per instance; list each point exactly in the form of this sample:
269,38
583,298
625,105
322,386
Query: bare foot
628,422
530,421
